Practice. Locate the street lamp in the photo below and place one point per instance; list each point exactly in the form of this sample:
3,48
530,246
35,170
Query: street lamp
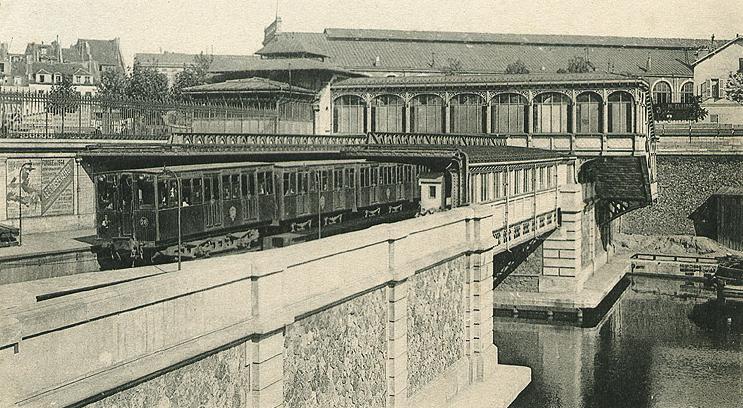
28,165
320,203
178,183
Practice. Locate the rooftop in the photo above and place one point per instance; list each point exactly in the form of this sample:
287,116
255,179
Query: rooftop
490,79
277,64
426,51
177,59
248,85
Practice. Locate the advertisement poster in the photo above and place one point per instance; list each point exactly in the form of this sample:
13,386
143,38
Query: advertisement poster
42,187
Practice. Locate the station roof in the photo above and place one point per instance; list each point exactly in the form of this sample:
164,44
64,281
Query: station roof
178,60
489,79
277,64
476,154
248,86
428,51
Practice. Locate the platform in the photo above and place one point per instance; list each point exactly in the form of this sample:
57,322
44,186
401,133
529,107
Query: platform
596,288
48,255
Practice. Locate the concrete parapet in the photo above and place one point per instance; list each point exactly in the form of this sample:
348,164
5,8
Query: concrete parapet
135,324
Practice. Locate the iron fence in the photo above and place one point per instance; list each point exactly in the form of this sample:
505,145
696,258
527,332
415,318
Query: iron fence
48,116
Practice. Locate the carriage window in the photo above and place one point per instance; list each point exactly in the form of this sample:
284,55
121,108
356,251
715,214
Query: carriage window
226,187
549,176
265,185
235,180
364,177
215,187
325,182
408,174
303,182
145,192
290,183
196,196
374,176
527,180
162,194
244,184
338,179
516,182
186,195
497,180
106,192
351,178
125,186
483,187
208,195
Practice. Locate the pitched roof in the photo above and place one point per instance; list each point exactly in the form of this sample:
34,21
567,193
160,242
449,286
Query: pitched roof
388,50
248,85
718,49
58,68
177,59
490,79
277,64
105,52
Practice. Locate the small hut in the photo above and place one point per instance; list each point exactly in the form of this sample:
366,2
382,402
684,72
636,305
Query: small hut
721,217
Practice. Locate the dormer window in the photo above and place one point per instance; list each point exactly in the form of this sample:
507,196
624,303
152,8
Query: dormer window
42,78
87,80
57,78
78,79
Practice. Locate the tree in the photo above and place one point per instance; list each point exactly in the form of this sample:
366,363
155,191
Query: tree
517,67
147,83
734,87
696,111
578,65
452,67
194,74
63,98
113,83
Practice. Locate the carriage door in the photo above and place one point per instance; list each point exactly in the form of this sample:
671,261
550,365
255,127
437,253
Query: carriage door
126,200
212,201
249,200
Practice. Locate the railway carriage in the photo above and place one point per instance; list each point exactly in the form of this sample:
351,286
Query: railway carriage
231,205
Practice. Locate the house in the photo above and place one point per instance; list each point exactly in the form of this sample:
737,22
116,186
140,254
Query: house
42,76
105,54
711,73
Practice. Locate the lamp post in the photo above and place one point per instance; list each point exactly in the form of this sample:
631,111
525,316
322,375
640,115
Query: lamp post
178,184
320,204
30,167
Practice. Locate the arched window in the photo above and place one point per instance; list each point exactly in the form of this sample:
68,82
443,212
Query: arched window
687,92
620,112
588,112
551,113
427,114
349,114
662,93
508,113
467,114
388,113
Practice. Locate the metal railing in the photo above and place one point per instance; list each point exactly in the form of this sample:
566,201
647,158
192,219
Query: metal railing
31,115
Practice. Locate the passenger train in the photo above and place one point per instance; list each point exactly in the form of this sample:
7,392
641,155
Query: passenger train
239,205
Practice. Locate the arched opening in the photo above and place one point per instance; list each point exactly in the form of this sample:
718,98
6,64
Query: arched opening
662,93
388,113
467,114
349,114
687,92
620,112
551,113
427,114
508,114
588,113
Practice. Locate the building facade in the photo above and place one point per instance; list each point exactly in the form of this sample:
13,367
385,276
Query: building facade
711,74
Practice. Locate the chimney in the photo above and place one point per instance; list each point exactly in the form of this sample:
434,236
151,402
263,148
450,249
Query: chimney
272,31
649,63
377,61
58,48
712,43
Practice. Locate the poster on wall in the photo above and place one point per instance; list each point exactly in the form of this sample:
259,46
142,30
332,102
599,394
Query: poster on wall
41,187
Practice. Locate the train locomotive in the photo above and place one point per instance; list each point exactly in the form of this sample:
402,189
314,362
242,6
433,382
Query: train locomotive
226,206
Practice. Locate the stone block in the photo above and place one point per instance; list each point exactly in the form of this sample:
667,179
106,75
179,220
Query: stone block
551,253
396,348
561,263
398,328
568,254
270,397
398,291
397,310
398,382
267,346
570,272
559,244
263,375
551,271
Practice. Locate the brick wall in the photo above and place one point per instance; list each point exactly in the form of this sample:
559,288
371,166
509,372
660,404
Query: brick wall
684,183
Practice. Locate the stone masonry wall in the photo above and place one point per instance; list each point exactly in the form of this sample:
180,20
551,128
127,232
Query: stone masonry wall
435,321
336,358
684,183
218,380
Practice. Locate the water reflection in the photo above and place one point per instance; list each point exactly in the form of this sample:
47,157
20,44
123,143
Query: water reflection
658,345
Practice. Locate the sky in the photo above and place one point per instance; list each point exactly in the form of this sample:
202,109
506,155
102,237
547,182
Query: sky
236,26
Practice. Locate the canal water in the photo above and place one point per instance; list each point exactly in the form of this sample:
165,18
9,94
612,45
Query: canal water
657,343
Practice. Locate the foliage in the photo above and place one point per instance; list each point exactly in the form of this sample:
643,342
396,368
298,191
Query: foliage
734,87
113,83
146,83
517,67
452,66
578,65
63,98
194,74
692,111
